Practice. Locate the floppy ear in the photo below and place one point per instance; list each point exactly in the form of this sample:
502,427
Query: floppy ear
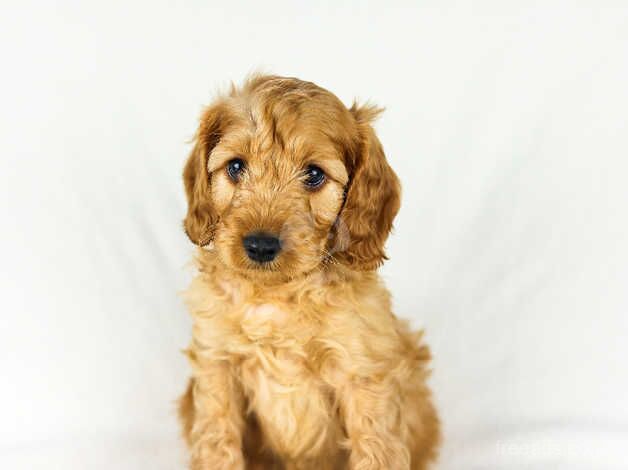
372,200
201,218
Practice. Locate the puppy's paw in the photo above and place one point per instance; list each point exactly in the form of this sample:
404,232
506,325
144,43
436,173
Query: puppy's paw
221,459
393,459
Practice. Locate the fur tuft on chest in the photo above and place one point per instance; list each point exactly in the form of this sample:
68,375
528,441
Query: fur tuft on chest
295,409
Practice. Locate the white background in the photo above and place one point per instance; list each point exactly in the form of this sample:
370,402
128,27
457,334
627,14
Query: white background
506,123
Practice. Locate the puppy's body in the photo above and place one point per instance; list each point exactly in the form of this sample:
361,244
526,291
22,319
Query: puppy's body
298,363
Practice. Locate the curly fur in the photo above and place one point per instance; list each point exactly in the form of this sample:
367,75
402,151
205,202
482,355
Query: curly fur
298,363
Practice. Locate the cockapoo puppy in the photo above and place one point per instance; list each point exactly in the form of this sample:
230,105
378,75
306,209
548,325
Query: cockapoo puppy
298,361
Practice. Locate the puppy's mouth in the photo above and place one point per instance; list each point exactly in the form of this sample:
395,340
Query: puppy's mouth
264,266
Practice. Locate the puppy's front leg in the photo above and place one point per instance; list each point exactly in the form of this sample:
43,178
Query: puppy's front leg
372,416
215,435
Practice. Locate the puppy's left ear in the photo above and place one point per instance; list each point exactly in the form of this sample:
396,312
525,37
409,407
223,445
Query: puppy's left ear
372,200
201,217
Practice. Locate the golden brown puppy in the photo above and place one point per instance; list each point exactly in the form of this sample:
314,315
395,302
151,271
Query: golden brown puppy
298,361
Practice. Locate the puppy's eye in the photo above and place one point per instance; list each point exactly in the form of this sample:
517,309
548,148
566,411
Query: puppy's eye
235,168
314,177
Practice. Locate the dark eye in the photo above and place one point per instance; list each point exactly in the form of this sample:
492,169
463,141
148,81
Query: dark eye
235,168
314,176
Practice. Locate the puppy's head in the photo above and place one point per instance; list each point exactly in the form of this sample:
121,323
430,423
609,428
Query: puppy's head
283,178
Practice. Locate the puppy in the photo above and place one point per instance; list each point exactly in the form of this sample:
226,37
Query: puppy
298,361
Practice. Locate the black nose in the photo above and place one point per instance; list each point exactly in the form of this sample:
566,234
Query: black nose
261,247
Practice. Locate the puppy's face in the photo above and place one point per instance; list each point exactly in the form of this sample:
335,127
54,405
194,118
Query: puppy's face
277,199
284,178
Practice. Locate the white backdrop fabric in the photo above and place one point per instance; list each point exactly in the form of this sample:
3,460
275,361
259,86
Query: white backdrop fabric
506,123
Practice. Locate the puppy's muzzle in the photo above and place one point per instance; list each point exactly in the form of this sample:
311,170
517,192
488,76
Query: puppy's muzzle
261,247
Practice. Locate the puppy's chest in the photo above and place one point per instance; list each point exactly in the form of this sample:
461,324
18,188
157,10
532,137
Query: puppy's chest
294,407
278,357
280,378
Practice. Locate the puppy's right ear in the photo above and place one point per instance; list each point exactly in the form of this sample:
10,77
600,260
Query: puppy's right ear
201,218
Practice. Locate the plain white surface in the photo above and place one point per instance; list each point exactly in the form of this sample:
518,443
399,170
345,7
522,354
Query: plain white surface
507,125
